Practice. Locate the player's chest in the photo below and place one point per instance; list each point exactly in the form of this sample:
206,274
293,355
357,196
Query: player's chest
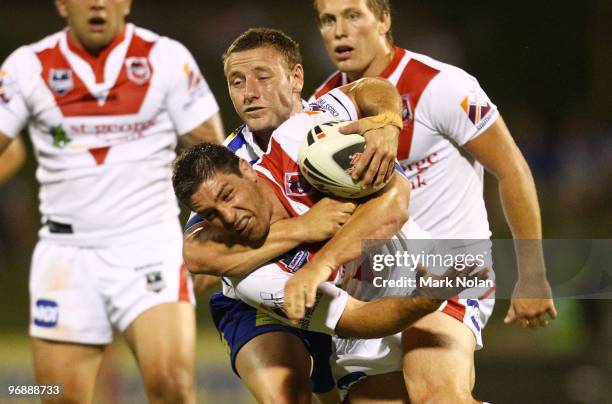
124,109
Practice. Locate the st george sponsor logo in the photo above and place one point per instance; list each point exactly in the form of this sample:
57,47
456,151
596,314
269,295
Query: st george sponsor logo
415,171
46,313
111,128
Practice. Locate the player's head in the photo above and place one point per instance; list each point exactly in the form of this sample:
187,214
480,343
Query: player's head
94,23
224,189
265,78
356,33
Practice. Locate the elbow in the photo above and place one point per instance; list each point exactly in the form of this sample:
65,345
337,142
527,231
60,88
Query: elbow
400,202
396,215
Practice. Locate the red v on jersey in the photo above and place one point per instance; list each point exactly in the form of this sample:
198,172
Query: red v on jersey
412,83
74,99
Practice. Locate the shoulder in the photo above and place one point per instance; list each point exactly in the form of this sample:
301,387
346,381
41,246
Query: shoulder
25,60
28,53
446,76
168,48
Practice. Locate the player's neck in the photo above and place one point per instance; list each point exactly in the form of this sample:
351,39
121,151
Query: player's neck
93,50
380,62
262,138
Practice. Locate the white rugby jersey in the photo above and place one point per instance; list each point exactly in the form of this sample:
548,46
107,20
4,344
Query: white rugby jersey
278,166
104,129
444,107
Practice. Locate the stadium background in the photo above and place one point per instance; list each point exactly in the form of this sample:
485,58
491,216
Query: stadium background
546,64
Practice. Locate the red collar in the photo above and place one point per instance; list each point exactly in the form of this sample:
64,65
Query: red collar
398,53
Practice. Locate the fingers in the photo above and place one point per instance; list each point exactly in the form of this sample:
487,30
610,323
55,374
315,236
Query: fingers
294,302
363,162
383,171
390,170
373,169
552,311
348,207
310,296
511,316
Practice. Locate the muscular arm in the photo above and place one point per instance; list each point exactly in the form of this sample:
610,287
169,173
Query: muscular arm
206,253
210,131
379,102
12,156
381,217
207,250
498,152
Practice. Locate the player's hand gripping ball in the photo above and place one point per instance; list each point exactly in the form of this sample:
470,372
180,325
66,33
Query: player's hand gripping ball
326,158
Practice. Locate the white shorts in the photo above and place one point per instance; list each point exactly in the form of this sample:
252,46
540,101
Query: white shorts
264,290
355,359
78,294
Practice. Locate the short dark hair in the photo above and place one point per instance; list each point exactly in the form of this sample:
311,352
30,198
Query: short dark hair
378,7
255,38
198,164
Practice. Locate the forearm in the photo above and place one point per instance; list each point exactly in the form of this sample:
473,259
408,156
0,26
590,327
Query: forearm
380,218
12,157
521,209
210,131
215,257
374,96
383,317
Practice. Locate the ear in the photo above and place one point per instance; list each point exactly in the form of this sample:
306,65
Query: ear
127,8
297,75
60,6
247,171
384,25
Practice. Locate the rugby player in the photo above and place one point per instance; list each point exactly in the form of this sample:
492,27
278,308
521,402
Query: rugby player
269,80
104,102
267,92
445,110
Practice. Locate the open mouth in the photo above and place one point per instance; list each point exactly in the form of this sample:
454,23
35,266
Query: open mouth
242,227
251,110
343,51
97,23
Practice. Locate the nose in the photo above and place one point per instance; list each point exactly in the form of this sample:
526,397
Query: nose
340,28
251,90
227,215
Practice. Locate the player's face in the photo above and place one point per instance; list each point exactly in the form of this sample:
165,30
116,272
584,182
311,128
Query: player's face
264,91
94,23
235,203
354,38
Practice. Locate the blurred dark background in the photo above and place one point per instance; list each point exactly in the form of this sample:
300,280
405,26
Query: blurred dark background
546,64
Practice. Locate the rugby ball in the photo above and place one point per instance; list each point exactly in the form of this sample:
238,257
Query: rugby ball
326,158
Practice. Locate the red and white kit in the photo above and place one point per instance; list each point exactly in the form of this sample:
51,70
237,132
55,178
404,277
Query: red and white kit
444,107
104,131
